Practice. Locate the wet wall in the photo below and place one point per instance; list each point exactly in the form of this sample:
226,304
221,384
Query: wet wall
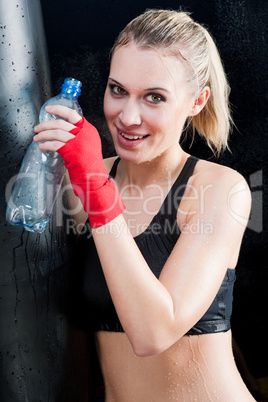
34,279
43,355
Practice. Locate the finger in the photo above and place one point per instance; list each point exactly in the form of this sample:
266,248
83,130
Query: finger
66,113
53,135
54,124
51,145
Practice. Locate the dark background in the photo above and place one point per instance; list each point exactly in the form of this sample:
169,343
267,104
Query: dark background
42,356
79,36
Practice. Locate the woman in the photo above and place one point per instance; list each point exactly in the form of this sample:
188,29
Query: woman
164,230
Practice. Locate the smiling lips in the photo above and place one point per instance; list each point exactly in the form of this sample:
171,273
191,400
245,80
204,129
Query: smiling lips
130,139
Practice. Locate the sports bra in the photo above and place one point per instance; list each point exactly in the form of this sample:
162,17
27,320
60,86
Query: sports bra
155,244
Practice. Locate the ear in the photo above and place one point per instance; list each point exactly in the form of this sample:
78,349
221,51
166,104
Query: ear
200,102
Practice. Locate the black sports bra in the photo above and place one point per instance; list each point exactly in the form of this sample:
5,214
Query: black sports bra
155,244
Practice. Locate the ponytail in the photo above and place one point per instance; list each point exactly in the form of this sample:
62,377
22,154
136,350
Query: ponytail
214,121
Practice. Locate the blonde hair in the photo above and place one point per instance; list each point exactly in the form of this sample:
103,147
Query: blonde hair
180,35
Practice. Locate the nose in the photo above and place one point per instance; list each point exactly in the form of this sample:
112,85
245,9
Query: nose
130,114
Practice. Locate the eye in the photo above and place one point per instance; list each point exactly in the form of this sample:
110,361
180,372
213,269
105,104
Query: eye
116,90
155,98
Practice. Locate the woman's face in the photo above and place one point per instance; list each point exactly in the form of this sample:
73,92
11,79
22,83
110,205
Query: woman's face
146,102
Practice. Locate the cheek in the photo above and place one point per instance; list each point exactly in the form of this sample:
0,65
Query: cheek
162,119
170,123
110,107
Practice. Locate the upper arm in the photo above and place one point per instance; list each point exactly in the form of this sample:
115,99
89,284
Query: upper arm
212,224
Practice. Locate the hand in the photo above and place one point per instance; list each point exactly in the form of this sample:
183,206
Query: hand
55,133
81,151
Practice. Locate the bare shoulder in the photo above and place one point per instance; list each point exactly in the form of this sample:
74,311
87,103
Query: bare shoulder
224,187
216,194
222,178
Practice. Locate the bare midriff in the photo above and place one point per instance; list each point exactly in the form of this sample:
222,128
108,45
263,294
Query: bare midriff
196,368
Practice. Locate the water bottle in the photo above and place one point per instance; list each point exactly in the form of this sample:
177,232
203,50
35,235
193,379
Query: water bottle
41,173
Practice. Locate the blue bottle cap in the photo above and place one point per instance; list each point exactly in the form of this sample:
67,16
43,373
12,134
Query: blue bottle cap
72,86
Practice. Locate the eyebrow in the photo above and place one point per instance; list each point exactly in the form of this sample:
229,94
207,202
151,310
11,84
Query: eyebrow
148,89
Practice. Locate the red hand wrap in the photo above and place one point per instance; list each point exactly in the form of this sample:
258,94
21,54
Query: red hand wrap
83,159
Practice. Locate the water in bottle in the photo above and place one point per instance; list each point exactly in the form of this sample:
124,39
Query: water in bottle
41,173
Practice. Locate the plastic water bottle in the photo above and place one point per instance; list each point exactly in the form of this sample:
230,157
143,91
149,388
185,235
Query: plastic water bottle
41,173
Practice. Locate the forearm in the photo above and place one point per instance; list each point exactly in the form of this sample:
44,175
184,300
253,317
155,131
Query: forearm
144,306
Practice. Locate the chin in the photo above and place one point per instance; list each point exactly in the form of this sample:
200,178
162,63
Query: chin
137,158
128,156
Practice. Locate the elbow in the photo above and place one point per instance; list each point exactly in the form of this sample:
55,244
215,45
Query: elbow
151,347
146,351
156,341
